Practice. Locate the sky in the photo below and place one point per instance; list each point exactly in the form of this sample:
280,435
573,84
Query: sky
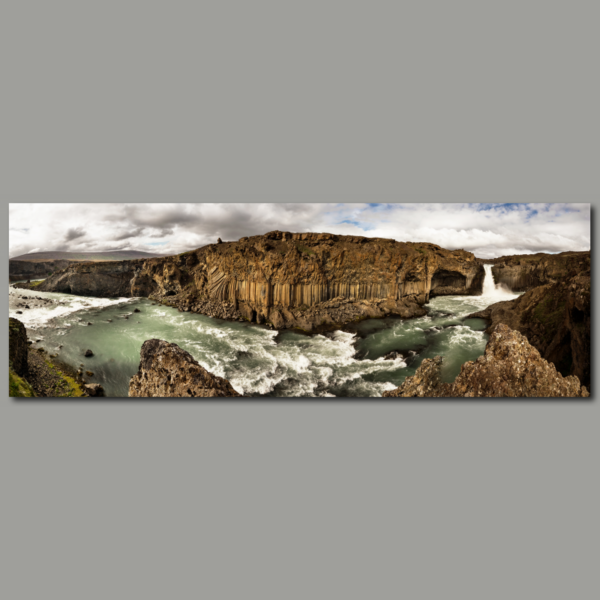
487,230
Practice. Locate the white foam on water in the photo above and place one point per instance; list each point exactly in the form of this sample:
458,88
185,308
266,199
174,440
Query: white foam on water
61,305
497,291
462,335
312,366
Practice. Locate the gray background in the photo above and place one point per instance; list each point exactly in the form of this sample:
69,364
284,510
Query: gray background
310,101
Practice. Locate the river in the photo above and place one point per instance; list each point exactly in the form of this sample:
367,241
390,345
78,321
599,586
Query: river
258,361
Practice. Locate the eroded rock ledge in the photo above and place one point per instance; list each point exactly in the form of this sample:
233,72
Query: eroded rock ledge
167,371
510,368
290,280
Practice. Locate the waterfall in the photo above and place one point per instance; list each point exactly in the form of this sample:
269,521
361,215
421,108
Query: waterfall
490,289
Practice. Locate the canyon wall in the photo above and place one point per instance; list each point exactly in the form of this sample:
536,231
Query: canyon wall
556,318
29,269
301,280
526,271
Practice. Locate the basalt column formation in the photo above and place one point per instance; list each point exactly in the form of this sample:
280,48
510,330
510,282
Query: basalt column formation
290,280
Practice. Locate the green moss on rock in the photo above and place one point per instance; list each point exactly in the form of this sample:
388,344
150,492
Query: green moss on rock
18,387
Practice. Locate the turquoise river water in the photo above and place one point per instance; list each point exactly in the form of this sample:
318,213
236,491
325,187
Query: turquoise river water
258,361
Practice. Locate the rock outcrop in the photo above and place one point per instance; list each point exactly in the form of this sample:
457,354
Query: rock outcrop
510,368
290,280
523,272
167,371
556,320
17,347
107,279
33,373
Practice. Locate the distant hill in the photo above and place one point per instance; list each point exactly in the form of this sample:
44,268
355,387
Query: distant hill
84,256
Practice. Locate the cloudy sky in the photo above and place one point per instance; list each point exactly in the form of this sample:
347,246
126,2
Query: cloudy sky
487,230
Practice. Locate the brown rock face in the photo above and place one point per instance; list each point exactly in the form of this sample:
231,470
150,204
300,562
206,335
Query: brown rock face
524,272
167,371
556,320
510,368
290,280
107,279
26,269
17,347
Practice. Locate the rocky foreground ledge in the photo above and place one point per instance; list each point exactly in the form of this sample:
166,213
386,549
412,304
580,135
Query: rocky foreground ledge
510,368
556,319
167,371
33,373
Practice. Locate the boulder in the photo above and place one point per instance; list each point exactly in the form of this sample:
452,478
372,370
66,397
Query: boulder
93,389
510,368
88,353
167,371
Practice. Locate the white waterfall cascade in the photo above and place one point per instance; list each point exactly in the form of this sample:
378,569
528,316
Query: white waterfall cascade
492,290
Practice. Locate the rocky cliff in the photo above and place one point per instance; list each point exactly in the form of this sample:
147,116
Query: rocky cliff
17,347
556,320
27,269
290,280
167,371
510,368
109,279
31,372
526,271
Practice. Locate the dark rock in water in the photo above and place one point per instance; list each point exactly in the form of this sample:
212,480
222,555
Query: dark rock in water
167,371
89,373
94,389
17,347
88,353
510,368
89,323
19,312
136,310
393,355
109,320
27,306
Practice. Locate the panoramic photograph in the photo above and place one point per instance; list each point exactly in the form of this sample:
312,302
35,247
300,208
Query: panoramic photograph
299,300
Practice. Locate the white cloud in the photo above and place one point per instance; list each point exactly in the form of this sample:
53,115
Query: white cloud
488,230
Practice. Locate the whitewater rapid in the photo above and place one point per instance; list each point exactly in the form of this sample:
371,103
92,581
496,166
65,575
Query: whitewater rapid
61,305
